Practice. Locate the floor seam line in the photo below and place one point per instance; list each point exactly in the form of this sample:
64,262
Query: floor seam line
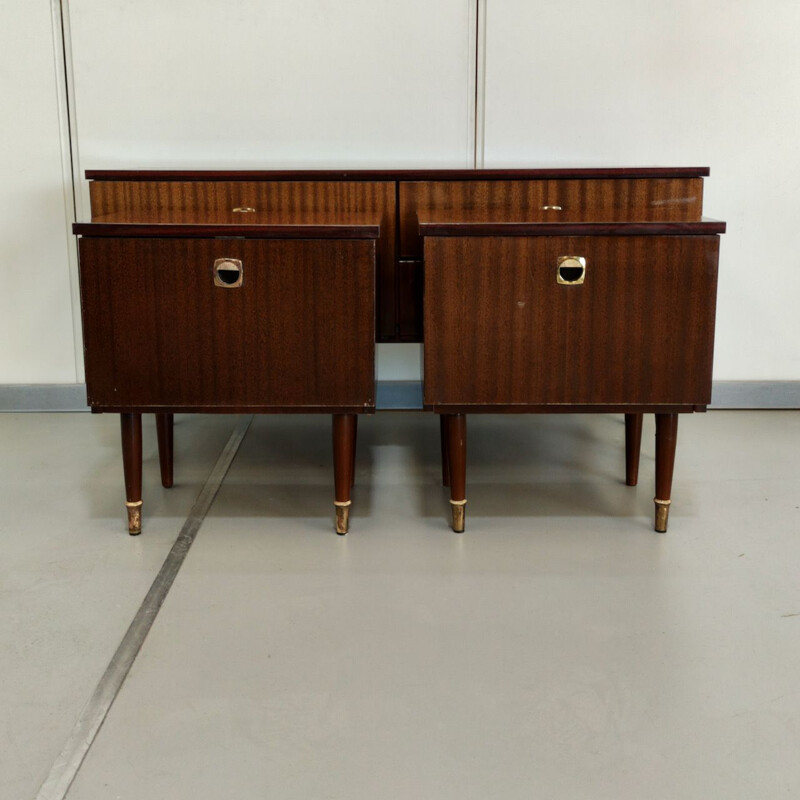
91,718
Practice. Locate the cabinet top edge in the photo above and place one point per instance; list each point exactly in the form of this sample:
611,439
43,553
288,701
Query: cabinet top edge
397,174
443,227
205,231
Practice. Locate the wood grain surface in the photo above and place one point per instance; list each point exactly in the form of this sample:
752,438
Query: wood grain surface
167,200
586,200
501,333
297,335
654,194
393,174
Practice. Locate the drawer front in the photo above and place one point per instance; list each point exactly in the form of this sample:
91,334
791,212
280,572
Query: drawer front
570,200
160,331
164,200
500,329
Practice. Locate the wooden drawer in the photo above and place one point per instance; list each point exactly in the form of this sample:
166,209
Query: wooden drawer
199,201
298,334
566,200
500,330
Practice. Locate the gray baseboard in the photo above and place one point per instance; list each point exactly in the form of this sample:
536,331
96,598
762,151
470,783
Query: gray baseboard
43,397
398,395
755,394
402,395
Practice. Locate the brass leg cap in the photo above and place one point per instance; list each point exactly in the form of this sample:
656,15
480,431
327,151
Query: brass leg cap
662,514
134,518
458,508
342,517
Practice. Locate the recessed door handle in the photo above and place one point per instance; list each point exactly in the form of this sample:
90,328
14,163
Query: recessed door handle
571,270
228,273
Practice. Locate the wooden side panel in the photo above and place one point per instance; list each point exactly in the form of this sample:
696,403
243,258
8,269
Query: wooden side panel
158,332
591,200
500,330
166,200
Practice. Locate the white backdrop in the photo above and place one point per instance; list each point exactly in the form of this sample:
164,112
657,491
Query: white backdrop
315,83
685,83
36,333
255,84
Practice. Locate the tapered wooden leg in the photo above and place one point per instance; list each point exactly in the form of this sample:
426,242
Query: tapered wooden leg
445,457
131,428
633,445
457,459
164,425
666,439
344,441
355,443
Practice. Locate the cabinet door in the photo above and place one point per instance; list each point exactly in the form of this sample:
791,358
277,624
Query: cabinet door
297,334
501,330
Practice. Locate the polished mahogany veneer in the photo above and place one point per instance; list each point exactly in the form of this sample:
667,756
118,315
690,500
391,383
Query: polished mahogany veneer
547,201
554,298
534,290
297,335
500,331
607,194
197,310
169,200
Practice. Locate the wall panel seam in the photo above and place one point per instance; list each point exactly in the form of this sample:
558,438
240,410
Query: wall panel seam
480,84
62,54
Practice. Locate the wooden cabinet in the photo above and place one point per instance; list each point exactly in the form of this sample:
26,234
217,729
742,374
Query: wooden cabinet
569,296
533,291
501,329
295,329
189,305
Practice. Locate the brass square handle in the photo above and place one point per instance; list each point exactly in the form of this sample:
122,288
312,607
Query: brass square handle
571,270
228,273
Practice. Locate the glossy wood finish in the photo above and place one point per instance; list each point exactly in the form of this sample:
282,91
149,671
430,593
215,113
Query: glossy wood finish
159,335
443,442
565,408
456,425
666,442
500,331
395,174
633,447
344,446
131,430
164,430
355,445
231,224
501,334
511,227
641,193
551,201
194,199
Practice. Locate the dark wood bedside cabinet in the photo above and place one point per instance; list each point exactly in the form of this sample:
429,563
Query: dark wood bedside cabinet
563,301
545,290
228,311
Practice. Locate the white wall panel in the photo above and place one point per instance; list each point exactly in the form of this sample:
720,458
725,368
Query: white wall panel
275,84
268,83
36,324
685,83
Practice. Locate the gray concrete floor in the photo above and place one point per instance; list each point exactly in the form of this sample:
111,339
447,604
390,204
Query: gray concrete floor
557,649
